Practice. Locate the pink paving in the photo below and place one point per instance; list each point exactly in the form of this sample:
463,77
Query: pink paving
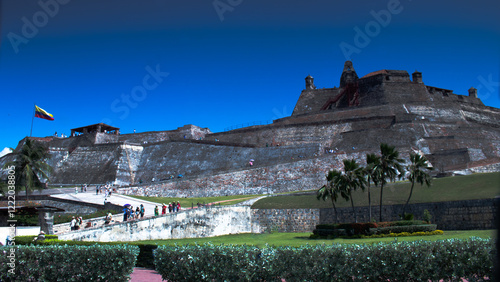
145,275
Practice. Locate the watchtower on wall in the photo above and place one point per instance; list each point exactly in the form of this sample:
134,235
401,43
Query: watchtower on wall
310,82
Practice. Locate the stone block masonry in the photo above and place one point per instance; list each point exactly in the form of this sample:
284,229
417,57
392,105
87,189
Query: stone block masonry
193,223
292,176
455,215
285,220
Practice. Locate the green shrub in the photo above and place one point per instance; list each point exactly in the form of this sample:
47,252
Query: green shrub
453,259
29,239
70,263
408,216
211,262
404,228
144,259
427,216
401,223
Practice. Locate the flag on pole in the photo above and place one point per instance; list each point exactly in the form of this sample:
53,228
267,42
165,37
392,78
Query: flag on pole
41,113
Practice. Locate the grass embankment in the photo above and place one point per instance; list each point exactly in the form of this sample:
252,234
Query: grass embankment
300,239
456,188
188,202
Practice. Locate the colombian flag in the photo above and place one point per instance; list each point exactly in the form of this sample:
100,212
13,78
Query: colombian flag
41,113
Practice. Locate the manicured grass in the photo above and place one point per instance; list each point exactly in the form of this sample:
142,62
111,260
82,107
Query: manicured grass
187,202
456,188
300,239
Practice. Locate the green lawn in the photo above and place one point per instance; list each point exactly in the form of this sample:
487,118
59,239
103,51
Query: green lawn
456,188
187,202
300,239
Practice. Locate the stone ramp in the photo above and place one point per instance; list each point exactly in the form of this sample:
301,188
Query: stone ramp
91,197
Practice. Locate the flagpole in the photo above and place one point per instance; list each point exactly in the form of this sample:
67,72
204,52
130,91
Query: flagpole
33,118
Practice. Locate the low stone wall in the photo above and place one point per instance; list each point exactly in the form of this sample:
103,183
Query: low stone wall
193,223
456,215
285,220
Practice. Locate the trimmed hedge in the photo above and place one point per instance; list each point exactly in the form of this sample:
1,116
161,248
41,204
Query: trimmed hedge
404,228
29,239
370,228
70,263
144,259
451,259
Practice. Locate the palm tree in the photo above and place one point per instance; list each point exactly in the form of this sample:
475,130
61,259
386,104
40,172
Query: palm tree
330,189
30,166
418,172
352,179
388,168
372,162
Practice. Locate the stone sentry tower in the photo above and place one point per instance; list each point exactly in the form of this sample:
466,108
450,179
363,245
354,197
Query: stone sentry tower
310,82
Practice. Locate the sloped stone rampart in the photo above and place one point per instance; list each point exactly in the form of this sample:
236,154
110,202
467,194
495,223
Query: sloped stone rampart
293,176
193,223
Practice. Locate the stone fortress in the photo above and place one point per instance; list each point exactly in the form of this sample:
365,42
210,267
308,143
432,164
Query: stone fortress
455,132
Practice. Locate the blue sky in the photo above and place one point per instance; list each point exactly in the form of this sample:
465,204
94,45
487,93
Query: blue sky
158,65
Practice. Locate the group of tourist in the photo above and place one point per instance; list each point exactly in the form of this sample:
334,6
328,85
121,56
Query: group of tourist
171,207
105,189
130,214
75,223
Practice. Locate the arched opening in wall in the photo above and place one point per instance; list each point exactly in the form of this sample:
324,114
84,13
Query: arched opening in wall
387,77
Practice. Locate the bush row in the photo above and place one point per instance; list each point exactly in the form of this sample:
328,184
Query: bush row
69,263
371,224
144,259
30,239
398,261
370,228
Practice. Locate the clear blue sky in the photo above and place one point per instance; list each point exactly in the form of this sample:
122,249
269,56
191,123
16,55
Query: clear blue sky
225,62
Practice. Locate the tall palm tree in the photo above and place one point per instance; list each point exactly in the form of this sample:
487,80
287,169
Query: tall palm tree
418,170
352,178
372,162
330,190
30,167
389,168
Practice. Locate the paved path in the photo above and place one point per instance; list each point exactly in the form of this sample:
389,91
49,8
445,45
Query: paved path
145,275
91,197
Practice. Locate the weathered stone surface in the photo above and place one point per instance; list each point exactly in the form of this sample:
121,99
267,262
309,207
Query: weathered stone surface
194,223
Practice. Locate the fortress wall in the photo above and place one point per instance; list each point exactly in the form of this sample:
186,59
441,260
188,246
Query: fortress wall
91,165
292,176
145,137
128,164
311,100
192,159
105,138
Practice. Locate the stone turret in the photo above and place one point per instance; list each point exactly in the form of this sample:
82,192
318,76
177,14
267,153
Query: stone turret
348,74
417,77
310,82
473,92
